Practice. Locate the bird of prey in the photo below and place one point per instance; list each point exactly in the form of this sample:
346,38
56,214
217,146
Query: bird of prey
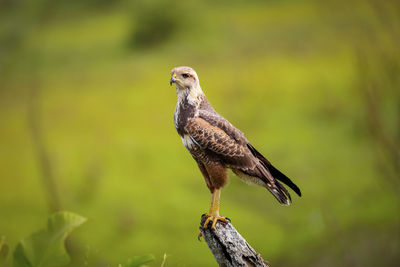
216,145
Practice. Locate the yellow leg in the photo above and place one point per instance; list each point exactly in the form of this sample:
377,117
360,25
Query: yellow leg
213,216
212,204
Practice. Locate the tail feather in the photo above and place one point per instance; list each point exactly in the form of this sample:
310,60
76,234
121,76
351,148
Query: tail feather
275,187
284,179
280,193
275,173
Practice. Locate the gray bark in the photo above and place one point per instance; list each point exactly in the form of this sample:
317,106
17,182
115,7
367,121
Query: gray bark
230,249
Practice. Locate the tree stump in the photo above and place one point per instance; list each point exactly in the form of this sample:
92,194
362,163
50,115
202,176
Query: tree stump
230,249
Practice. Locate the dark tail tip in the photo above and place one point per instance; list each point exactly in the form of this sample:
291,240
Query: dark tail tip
280,193
284,179
274,171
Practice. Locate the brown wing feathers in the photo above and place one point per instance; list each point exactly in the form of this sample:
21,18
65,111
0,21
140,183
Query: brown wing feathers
214,140
216,135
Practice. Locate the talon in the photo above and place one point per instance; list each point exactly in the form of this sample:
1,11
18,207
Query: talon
205,225
214,219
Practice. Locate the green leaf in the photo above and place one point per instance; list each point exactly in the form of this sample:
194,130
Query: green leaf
3,251
45,248
139,261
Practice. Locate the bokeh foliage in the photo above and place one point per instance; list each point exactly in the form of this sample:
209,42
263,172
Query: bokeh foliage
46,247
86,124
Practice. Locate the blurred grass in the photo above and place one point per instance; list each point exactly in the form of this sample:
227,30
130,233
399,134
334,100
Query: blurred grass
283,71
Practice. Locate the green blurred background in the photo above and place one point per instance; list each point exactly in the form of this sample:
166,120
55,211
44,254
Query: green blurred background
86,125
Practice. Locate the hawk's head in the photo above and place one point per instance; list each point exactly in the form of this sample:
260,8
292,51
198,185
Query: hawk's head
184,78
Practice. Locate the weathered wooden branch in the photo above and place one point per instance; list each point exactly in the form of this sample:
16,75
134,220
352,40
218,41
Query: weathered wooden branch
230,249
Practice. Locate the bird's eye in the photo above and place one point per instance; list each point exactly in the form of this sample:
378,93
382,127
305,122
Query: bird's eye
185,75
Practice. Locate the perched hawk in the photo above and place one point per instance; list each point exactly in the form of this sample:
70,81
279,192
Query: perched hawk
217,145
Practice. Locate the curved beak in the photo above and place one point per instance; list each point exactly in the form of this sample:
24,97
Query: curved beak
172,81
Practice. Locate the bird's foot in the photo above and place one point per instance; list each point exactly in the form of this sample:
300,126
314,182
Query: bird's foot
214,218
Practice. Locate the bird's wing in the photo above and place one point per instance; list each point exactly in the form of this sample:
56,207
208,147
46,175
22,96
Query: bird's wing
213,132
233,153
217,120
221,142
